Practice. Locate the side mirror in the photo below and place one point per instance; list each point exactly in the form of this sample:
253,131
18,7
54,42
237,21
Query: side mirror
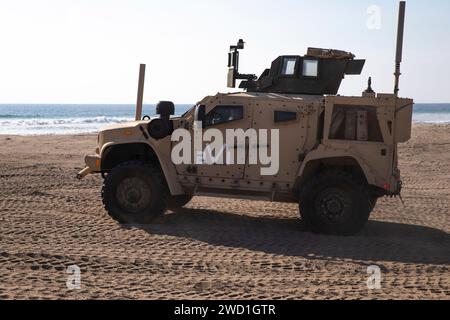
200,113
165,109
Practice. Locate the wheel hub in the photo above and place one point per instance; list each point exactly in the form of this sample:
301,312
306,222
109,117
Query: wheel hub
333,203
334,206
133,194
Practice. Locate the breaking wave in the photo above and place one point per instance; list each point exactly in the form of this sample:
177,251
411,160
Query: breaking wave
53,122
56,126
431,118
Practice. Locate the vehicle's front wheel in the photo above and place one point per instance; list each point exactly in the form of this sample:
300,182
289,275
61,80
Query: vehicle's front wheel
134,192
373,202
335,202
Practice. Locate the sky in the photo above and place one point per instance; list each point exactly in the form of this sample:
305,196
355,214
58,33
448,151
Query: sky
89,51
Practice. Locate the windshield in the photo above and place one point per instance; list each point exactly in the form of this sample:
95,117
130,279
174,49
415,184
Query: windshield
190,109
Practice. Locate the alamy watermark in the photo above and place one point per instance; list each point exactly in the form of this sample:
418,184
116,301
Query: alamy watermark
374,280
228,150
74,277
373,21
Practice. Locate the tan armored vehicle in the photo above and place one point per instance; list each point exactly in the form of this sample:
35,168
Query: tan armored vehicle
334,155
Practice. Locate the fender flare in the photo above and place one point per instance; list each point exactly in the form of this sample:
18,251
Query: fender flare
164,160
323,152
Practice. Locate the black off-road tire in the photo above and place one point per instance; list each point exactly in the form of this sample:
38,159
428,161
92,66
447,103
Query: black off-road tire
178,202
373,202
134,193
335,203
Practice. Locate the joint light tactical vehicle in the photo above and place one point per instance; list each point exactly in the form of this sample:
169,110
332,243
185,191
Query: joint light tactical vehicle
337,154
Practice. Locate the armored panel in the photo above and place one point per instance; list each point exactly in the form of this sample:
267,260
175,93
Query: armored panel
363,128
231,79
403,118
350,125
355,67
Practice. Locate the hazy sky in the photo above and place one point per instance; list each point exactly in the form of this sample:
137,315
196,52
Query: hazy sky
88,51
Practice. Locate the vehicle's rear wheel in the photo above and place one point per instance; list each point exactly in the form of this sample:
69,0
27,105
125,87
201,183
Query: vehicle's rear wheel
134,192
178,202
335,202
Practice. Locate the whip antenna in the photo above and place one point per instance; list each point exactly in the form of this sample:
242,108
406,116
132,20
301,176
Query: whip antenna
399,54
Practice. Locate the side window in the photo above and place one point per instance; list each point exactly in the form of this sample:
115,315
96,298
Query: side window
310,68
288,68
355,123
224,114
284,116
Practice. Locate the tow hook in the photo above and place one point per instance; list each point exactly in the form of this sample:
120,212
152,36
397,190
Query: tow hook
400,188
398,193
401,199
83,173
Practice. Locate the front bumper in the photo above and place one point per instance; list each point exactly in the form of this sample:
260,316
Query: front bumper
93,165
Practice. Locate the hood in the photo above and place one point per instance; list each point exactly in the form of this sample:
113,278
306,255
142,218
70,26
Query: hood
125,125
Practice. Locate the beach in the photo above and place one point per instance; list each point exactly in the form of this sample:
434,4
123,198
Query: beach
215,248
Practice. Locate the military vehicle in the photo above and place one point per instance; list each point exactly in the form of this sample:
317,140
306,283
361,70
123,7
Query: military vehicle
337,154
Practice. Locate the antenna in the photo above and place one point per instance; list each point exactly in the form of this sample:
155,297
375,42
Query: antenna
140,95
399,53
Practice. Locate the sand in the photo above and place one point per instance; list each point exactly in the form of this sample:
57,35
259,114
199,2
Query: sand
215,248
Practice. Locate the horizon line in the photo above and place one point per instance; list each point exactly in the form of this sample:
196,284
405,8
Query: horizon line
130,104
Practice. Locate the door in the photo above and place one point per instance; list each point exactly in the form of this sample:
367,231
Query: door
293,127
213,156
224,154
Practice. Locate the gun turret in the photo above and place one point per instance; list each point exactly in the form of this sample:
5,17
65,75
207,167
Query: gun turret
319,72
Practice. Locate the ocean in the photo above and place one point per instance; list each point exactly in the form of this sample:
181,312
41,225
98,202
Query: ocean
44,119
